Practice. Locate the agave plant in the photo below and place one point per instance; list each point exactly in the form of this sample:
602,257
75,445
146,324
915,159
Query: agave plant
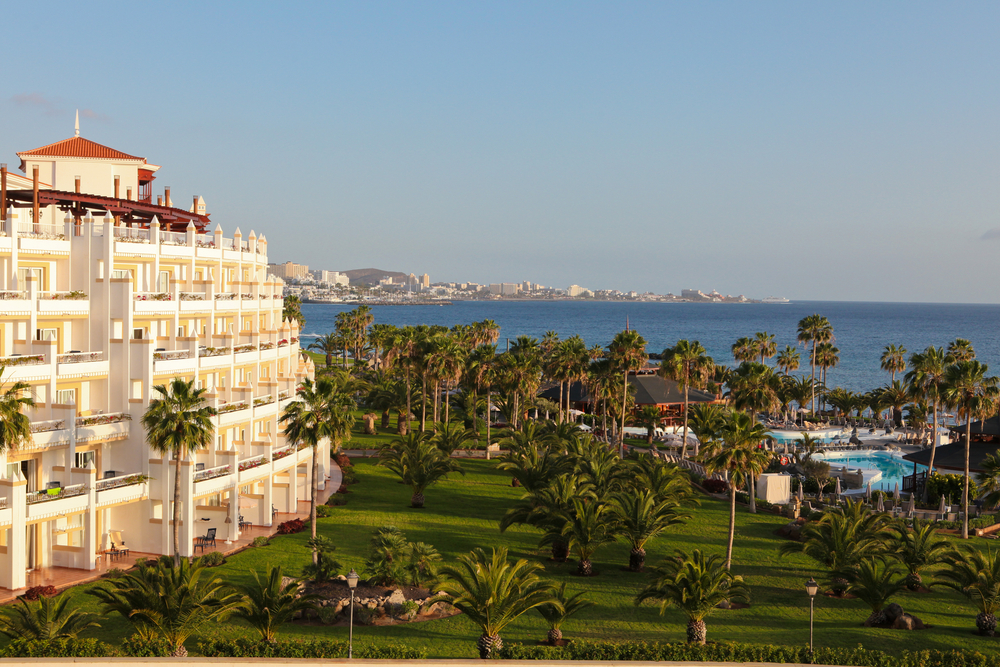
492,592
46,619
559,609
696,584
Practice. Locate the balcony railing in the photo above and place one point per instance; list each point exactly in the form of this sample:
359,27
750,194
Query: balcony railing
119,481
282,453
232,407
212,473
173,238
75,295
171,354
214,351
225,296
98,420
50,425
263,400
228,244
56,494
79,357
255,462
22,360
41,231
132,234
10,295
192,296
205,240
153,296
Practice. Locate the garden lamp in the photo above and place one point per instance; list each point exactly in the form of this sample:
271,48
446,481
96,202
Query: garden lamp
811,588
352,583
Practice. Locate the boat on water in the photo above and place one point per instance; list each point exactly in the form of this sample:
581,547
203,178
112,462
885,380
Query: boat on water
775,299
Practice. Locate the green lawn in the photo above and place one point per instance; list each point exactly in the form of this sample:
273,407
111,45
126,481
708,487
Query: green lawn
462,513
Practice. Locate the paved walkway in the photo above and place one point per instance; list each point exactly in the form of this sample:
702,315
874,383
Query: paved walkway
65,577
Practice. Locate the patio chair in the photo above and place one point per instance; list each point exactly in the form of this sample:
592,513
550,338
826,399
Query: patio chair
207,540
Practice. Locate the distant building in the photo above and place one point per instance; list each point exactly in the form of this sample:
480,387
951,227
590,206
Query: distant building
425,281
576,290
288,270
330,277
693,294
505,289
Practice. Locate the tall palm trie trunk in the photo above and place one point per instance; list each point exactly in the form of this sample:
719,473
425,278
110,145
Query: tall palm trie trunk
812,401
423,404
559,419
684,442
732,525
965,488
621,433
753,496
408,409
930,464
177,509
312,499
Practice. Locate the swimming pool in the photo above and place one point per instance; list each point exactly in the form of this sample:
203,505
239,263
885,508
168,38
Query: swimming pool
889,466
825,435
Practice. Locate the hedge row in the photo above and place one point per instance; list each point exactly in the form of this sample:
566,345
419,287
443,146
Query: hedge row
730,652
316,649
130,647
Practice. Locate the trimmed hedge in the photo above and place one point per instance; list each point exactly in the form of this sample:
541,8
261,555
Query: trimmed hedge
315,649
729,652
130,647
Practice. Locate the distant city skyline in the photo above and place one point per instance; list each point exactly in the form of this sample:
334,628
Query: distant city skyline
832,152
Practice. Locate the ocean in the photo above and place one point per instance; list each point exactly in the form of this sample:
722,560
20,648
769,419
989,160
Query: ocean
861,330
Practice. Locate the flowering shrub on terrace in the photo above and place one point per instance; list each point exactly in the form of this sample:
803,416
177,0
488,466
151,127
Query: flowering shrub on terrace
214,351
232,407
244,348
282,453
161,296
191,296
252,463
26,360
97,420
267,345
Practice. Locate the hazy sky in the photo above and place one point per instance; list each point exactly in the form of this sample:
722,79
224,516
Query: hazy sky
810,150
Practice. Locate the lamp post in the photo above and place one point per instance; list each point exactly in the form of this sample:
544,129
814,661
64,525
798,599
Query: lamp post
811,588
352,583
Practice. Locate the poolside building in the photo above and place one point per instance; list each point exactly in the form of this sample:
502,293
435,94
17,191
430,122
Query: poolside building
105,294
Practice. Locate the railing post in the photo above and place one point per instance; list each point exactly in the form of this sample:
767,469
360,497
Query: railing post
13,564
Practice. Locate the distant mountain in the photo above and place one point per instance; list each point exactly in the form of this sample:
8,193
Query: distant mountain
371,276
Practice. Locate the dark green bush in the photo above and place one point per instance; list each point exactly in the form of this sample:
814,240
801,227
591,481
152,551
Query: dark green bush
137,647
949,486
337,500
318,649
323,511
57,648
213,558
261,541
728,652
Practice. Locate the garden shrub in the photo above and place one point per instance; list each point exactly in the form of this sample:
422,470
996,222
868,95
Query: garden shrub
36,592
135,646
213,559
731,652
57,648
949,486
261,541
715,486
323,511
336,501
315,649
984,521
291,527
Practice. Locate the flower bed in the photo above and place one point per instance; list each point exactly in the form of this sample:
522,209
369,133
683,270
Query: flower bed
26,360
263,400
225,296
192,296
232,407
214,351
244,348
159,296
97,420
44,427
253,463
267,346
66,296
282,453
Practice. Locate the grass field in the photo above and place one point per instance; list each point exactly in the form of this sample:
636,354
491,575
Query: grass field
462,513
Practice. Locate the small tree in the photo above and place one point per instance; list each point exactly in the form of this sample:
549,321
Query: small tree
976,575
919,548
418,462
268,603
649,418
492,592
559,609
326,566
44,620
696,584
875,582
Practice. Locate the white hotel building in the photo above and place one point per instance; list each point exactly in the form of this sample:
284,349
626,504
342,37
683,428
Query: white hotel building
104,295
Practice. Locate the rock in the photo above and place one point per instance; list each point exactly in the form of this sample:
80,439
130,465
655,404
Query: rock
396,597
892,612
341,577
795,532
908,622
371,604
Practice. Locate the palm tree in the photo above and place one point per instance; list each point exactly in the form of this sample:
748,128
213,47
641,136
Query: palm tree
755,388
894,360
641,516
743,350
627,352
737,454
827,357
649,418
291,309
926,379
697,584
15,427
960,350
967,386
919,548
976,575
687,364
840,540
329,345
764,345
322,411
177,424
586,528
169,602
874,584
270,602
559,609
492,592
448,437
895,396
546,508
802,389
707,420
45,620
788,359
418,462
814,329
988,480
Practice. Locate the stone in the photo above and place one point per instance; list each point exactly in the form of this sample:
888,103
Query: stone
892,612
396,597
371,604
341,577
908,622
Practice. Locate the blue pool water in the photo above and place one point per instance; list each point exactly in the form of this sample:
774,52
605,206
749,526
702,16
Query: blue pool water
891,466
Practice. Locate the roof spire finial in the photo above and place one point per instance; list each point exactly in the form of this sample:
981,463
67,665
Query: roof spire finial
77,123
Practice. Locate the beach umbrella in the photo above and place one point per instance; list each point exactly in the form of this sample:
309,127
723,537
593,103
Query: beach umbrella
913,503
247,503
801,494
880,504
942,509
837,490
868,491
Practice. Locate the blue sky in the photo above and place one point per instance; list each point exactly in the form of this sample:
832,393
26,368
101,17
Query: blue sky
815,151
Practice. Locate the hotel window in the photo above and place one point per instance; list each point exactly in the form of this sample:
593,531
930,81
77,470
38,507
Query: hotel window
66,396
46,334
84,459
37,273
163,282
121,273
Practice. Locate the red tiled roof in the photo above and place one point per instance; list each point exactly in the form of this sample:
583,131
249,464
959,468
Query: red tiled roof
80,147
